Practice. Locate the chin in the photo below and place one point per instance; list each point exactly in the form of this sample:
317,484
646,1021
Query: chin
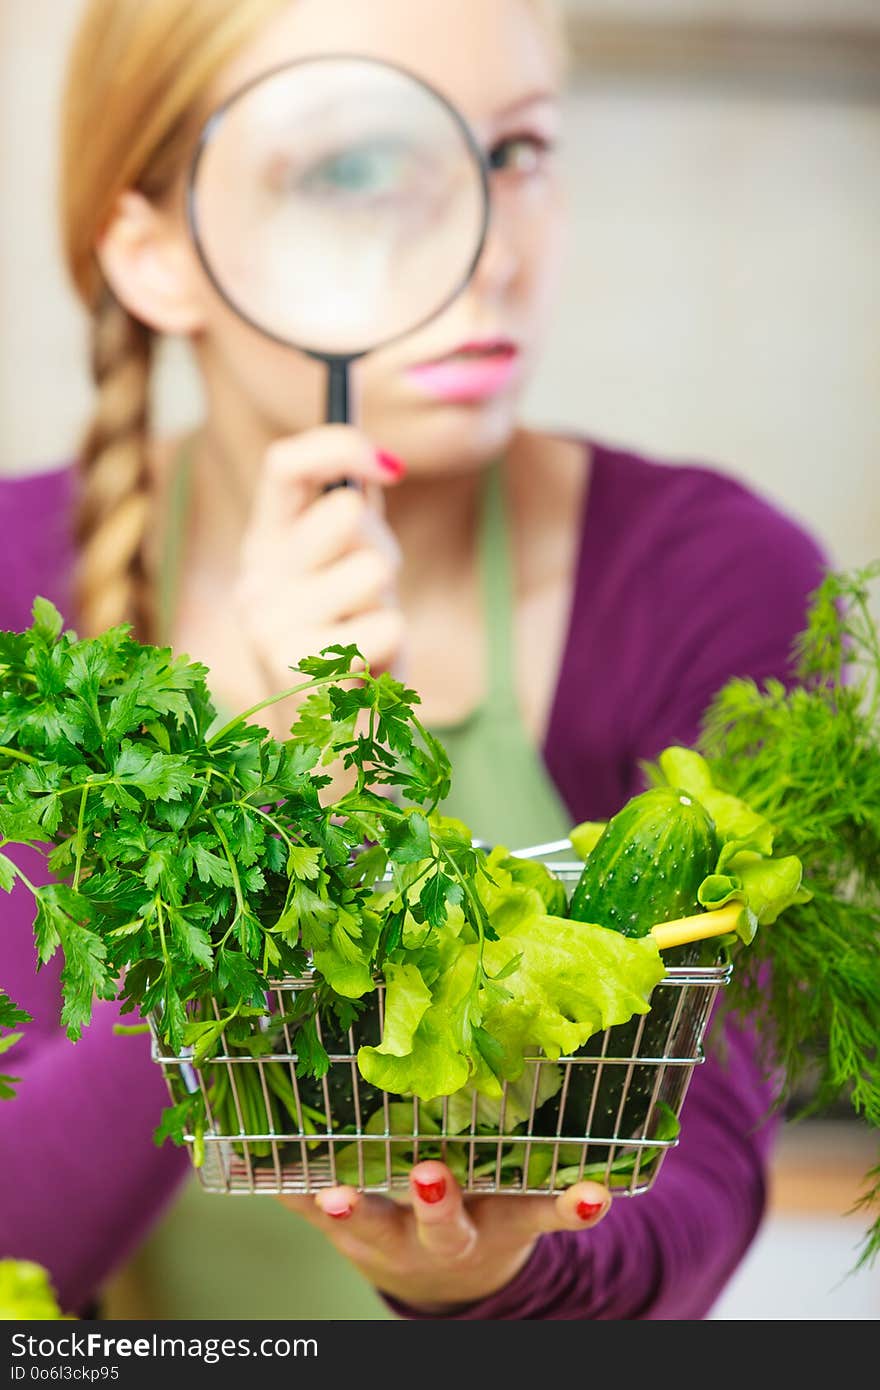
483,430
449,438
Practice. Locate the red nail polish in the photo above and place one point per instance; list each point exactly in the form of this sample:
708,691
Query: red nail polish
391,464
342,1215
587,1210
431,1191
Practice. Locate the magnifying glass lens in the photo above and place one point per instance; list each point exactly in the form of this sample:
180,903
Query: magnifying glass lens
338,204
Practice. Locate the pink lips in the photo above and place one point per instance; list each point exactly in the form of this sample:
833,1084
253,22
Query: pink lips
474,372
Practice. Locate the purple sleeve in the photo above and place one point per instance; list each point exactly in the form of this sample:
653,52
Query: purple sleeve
82,1178
716,582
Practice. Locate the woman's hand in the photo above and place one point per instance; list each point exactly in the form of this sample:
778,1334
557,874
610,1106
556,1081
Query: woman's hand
440,1251
319,567
316,568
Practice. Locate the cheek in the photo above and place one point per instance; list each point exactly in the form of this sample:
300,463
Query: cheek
286,389
543,236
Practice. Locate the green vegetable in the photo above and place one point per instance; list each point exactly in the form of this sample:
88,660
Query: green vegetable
648,863
26,1293
806,760
645,866
10,1015
529,873
655,861
339,1081
585,837
619,1172
546,984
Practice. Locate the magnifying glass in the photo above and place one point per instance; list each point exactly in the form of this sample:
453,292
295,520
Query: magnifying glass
338,203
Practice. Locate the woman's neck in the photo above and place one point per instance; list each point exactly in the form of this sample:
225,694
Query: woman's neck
226,467
434,518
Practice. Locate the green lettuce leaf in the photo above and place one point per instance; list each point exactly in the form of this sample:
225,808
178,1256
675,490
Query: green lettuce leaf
766,886
574,979
26,1293
440,1055
719,889
549,985
434,1067
586,836
527,874
407,997
771,885
738,826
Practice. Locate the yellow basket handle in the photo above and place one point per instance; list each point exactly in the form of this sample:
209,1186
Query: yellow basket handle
697,928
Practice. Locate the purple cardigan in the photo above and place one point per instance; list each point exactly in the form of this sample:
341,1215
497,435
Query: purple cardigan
685,577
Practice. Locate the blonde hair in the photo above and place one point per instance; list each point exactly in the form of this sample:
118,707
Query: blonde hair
138,71
137,78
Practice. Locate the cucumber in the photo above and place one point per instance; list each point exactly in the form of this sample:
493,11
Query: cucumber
647,864
645,868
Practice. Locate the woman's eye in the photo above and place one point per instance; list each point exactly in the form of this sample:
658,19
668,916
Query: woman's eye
366,170
520,154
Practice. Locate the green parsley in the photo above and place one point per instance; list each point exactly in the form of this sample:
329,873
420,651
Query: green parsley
192,868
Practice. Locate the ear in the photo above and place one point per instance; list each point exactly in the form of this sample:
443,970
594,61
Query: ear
149,265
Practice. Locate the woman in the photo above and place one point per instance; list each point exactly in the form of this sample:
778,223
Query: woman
565,609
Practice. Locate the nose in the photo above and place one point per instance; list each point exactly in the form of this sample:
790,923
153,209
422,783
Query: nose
500,259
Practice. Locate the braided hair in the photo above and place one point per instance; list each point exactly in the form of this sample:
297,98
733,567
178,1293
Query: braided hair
134,98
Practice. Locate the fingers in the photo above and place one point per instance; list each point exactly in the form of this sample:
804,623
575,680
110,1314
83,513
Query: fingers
427,1252
334,524
318,568
443,1225
367,1219
296,471
377,635
344,1211
578,1208
303,1205
357,583
336,1203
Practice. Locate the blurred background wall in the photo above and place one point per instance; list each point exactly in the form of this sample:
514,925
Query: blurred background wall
722,301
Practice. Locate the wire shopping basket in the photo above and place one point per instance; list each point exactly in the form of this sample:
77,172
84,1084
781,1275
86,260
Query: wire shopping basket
610,1112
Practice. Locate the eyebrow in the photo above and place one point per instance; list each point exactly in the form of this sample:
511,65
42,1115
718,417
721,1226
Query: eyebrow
530,99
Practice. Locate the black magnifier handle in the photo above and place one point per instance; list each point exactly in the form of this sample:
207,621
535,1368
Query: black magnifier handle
339,402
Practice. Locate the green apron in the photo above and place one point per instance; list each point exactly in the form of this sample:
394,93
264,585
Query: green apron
241,1257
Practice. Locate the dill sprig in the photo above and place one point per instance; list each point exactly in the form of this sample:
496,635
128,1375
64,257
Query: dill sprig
807,756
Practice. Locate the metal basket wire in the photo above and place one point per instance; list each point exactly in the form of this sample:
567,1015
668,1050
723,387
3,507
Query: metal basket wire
613,1114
